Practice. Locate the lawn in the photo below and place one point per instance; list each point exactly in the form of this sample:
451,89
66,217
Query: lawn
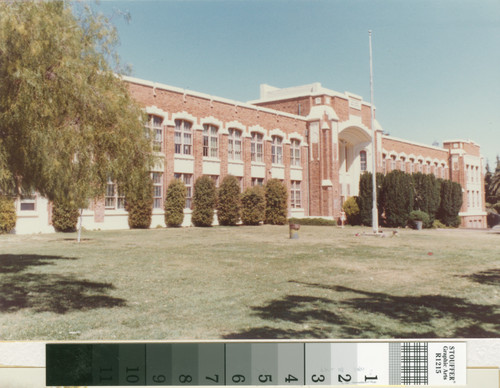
249,282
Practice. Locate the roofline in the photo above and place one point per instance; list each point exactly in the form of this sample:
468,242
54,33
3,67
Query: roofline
162,86
414,143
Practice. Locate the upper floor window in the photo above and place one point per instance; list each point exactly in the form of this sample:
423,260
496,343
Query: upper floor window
257,147
295,152
183,137
154,125
295,200
277,150
412,166
393,162
362,160
210,141
234,144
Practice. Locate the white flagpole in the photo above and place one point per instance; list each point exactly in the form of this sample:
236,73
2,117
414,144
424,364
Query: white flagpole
374,169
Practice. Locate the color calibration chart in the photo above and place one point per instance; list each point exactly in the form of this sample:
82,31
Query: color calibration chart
257,363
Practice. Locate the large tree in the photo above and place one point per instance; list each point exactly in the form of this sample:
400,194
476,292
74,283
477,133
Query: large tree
67,122
493,188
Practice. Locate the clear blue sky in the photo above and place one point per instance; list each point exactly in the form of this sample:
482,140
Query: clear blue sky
436,63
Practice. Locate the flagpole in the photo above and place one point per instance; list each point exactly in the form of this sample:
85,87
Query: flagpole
374,169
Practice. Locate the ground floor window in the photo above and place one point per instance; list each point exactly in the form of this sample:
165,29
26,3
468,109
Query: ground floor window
157,190
295,195
188,182
257,181
114,198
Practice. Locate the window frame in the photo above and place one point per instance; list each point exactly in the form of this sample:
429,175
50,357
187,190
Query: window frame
276,149
210,141
295,195
233,143
157,185
363,163
295,153
183,131
188,182
257,147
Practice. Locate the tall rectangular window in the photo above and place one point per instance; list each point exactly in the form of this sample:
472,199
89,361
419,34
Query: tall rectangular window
295,152
157,190
210,141
257,147
295,195
277,150
234,144
154,126
114,197
362,160
183,137
188,182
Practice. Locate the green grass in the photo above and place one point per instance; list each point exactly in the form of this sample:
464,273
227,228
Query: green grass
249,282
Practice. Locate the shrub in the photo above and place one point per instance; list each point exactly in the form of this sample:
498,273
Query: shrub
276,202
397,198
492,218
418,215
496,206
438,224
8,216
229,202
427,193
253,206
351,209
451,201
139,202
203,202
175,203
312,221
65,216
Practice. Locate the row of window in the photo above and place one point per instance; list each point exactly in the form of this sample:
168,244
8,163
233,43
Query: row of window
114,199
472,174
183,139
473,199
412,166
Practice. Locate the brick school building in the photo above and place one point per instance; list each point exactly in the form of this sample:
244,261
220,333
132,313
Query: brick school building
316,140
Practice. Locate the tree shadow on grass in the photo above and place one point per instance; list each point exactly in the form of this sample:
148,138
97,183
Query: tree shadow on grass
415,316
54,293
49,292
489,277
18,263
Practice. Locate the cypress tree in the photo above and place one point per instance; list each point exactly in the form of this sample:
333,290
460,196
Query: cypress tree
365,200
427,196
451,202
229,202
175,202
204,202
397,197
276,202
253,206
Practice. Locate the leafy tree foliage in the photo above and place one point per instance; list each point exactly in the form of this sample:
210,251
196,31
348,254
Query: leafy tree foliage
351,210
276,202
8,215
365,199
67,121
451,202
493,185
397,198
139,202
175,203
203,201
427,194
253,206
65,216
229,201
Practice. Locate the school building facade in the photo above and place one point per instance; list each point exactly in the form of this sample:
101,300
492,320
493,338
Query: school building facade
316,140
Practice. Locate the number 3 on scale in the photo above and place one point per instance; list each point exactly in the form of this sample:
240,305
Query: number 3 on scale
317,379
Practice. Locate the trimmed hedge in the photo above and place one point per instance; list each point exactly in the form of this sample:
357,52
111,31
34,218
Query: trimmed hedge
451,202
427,193
365,200
8,216
175,203
229,201
65,216
139,203
203,202
276,202
351,210
312,221
397,198
253,206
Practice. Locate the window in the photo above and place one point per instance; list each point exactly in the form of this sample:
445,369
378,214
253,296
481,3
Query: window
443,172
183,137
27,201
362,160
210,141
188,182
157,190
468,198
419,166
257,147
412,166
257,181
295,152
393,162
295,195
234,144
155,128
277,150
384,163
114,199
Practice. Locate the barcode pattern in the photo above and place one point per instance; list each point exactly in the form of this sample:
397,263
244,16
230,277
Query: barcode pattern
414,363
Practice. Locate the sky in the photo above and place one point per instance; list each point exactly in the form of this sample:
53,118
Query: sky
436,63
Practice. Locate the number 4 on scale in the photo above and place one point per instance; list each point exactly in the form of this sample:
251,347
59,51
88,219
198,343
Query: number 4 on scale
291,378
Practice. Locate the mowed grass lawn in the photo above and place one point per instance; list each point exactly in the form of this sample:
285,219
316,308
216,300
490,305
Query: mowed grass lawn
249,282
